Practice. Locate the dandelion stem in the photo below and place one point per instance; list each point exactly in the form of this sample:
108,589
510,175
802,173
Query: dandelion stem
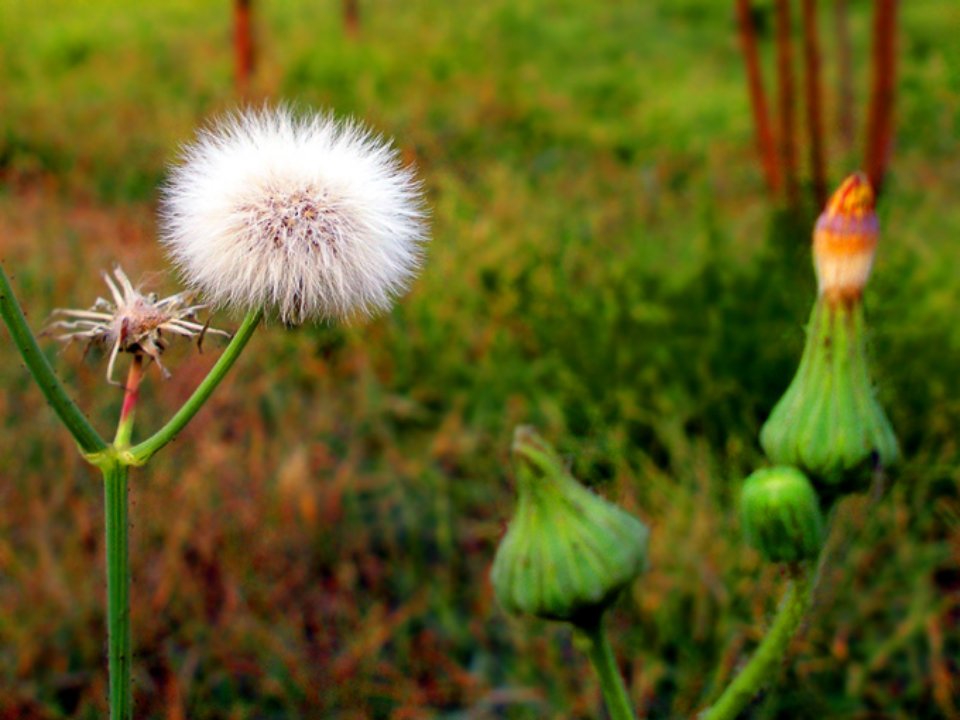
611,682
130,397
142,452
793,607
87,438
118,588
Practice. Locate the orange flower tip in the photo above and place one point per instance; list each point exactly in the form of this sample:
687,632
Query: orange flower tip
854,197
845,239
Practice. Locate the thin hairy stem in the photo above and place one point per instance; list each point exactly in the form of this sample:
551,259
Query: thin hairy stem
118,589
87,438
793,608
142,452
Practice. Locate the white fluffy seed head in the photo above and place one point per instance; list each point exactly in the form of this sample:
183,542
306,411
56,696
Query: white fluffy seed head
306,217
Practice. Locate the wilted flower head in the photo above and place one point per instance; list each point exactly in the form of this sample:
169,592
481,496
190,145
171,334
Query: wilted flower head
306,217
132,322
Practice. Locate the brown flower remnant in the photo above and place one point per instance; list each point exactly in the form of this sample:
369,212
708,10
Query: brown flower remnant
132,323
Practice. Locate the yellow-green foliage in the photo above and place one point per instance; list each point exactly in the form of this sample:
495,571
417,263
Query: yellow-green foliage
605,266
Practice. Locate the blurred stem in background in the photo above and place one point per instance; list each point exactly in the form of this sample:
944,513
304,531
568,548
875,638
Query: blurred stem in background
780,166
758,97
243,46
845,100
351,18
786,99
813,94
880,117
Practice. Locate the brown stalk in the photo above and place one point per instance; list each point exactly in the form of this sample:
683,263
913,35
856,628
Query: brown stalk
758,97
787,102
243,54
351,17
880,114
813,92
845,100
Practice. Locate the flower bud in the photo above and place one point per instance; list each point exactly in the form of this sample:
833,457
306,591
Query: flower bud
568,552
781,515
845,239
829,422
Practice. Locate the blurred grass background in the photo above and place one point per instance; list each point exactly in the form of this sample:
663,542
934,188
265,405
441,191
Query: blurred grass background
605,265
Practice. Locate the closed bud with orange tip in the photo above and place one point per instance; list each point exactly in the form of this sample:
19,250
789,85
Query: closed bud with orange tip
845,239
829,422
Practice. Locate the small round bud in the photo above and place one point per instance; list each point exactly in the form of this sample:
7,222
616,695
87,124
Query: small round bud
781,515
568,552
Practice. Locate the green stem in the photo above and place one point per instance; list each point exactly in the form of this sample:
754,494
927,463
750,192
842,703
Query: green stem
118,588
78,425
139,454
611,682
793,607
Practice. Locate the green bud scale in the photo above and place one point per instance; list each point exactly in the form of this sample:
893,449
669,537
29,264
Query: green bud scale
829,421
781,515
568,552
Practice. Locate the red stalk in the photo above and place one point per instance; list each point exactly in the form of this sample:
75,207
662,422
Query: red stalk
351,17
786,97
814,93
132,390
243,54
845,100
758,97
880,117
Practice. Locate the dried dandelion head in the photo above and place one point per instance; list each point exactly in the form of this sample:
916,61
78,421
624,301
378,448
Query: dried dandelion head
305,217
130,322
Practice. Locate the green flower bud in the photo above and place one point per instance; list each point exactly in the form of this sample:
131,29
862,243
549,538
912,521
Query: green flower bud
568,552
829,422
781,515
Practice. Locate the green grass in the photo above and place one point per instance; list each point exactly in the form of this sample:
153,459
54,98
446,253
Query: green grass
604,265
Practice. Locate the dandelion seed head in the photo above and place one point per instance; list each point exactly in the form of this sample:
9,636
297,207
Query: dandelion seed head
307,217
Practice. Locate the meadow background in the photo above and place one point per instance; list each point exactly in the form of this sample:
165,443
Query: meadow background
605,265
